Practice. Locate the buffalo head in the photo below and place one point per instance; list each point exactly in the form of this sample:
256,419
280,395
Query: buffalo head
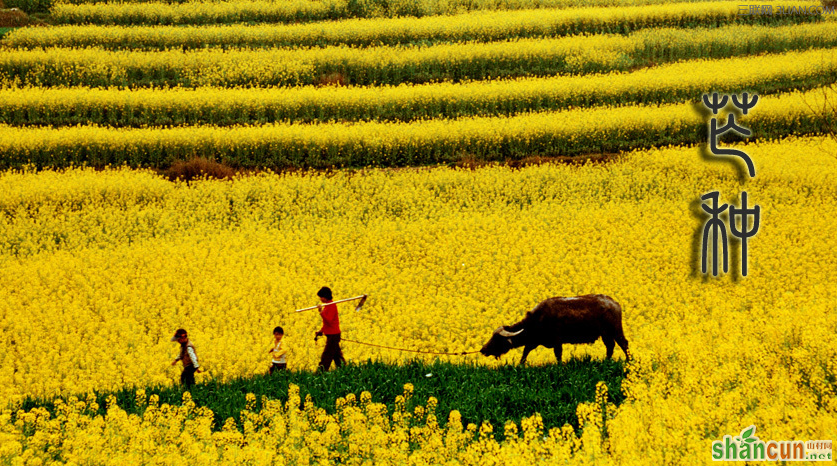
500,342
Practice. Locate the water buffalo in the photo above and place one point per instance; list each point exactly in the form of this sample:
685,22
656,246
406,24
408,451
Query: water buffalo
555,321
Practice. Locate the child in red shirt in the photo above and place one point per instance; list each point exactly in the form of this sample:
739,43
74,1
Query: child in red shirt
331,330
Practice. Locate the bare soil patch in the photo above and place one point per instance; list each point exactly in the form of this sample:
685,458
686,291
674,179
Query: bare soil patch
201,167
471,163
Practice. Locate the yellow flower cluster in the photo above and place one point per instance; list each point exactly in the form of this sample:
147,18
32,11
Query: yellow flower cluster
223,106
385,64
98,268
480,25
387,143
360,432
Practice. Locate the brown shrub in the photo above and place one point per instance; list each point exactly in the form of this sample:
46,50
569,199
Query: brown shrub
331,79
198,167
12,18
829,3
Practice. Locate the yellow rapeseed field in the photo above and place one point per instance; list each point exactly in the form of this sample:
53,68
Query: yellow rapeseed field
378,143
212,105
480,25
98,268
215,11
95,66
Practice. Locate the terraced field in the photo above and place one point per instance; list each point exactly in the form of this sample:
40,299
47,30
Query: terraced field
501,82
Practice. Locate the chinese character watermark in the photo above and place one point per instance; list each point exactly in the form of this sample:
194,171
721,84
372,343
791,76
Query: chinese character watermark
715,230
771,10
714,132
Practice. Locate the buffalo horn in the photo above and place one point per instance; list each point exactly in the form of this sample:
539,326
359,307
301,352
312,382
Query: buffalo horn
507,334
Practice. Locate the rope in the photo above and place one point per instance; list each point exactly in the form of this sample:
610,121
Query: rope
410,350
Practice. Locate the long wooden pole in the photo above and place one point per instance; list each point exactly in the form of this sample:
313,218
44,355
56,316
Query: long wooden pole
333,302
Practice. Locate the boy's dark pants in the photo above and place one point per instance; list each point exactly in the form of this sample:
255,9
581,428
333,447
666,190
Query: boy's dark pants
187,377
332,352
278,366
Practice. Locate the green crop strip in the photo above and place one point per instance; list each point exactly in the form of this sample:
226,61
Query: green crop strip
479,393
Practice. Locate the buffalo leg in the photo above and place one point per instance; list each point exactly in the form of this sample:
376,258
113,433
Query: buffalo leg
623,343
558,349
526,350
609,345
